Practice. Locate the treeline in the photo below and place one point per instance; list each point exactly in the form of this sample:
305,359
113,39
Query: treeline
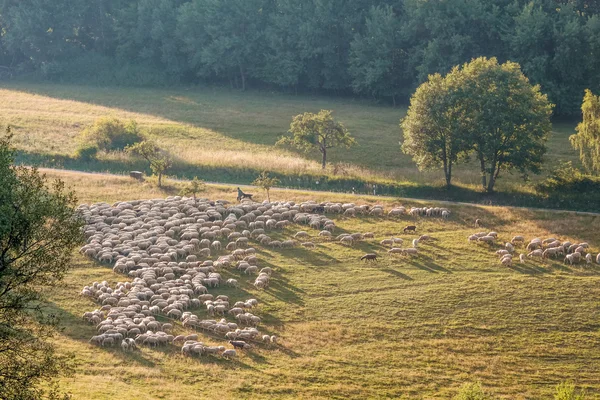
375,48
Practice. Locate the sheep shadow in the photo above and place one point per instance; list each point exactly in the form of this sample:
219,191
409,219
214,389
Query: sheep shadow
426,263
398,274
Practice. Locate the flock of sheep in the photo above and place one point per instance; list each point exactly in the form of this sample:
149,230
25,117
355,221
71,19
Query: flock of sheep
537,248
166,248
173,252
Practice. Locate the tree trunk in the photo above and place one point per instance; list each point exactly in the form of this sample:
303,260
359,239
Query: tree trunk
324,158
159,179
268,197
483,174
243,76
449,175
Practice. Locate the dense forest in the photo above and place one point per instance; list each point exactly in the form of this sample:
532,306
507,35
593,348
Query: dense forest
374,48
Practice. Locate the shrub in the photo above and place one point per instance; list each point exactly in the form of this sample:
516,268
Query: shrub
567,391
86,152
110,134
472,391
567,180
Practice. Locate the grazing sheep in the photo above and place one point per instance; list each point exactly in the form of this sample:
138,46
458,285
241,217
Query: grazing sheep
522,258
239,344
230,353
387,242
598,259
395,250
232,283
478,223
415,242
509,247
588,258
536,253
369,257
308,245
517,239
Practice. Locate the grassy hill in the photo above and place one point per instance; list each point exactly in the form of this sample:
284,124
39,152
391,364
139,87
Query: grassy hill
400,328
224,135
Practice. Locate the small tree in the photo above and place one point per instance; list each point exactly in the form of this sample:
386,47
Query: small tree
265,182
432,130
472,391
320,131
195,186
567,391
38,232
587,139
160,160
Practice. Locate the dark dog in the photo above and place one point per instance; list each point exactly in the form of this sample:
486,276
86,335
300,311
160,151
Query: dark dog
238,344
242,195
410,228
369,257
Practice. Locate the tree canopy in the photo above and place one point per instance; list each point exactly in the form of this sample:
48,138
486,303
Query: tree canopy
319,131
39,229
381,49
159,159
432,129
587,139
482,108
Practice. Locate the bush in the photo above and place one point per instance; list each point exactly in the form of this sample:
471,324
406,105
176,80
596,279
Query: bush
472,391
567,391
86,152
567,180
110,134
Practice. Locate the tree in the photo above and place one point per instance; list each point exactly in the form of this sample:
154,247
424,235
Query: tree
506,119
39,229
377,60
159,159
587,139
265,182
433,134
195,186
320,131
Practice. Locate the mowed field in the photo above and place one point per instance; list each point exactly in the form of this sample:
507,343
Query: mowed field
221,128
399,328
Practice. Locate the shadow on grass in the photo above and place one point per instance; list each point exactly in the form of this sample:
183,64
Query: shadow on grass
396,273
240,175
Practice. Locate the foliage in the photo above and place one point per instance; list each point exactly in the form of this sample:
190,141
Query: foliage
38,231
111,134
86,151
565,180
265,182
319,131
194,187
587,139
567,391
472,391
160,160
433,133
506,119
383,49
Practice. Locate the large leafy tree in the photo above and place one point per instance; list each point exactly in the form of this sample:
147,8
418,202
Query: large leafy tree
377,59
147,33
38,231
587,139
433,134
507,119
224,38
319,131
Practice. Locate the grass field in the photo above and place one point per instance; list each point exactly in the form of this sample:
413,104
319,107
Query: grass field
220,128
400,328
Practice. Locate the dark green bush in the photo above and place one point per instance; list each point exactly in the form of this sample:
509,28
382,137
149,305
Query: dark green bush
472,391
86,152
566,180
111,134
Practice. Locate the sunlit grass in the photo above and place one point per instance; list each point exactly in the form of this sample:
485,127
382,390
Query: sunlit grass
218,127
417,328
